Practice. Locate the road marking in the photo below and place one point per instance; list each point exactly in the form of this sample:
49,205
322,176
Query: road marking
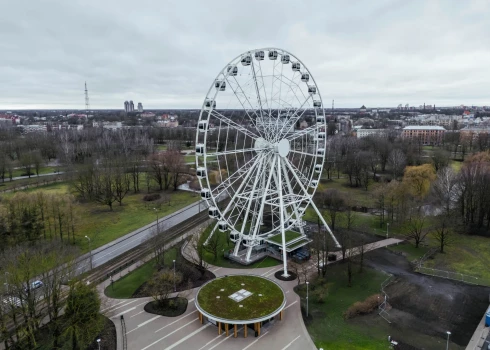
191,300
226,338
287,291
169,334
209,342
144,323
125,304
122,313
176,321
138,313
252,343
187,337
110,307
287,346
265,273
290,305
216,269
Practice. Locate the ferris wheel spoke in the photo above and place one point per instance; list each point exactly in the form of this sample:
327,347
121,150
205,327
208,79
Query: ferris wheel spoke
234,177
303,153
234,151
303,132
231,123
298,173
239,91
257,91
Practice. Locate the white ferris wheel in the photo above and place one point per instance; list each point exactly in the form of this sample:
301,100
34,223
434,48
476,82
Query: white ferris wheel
251,150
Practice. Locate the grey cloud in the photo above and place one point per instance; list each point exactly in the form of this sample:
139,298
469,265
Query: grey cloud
166,54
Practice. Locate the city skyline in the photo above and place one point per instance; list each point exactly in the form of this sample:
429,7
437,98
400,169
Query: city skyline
382,54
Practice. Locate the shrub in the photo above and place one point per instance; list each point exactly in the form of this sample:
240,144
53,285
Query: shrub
363,307
151,197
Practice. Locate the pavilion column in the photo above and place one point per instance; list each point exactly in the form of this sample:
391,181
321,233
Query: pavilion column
236,326
280,316
219,327
258,328
246,327
226,329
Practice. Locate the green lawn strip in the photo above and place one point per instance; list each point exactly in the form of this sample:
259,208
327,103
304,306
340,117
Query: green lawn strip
42,170
328,329
254,306
297,244
190,159
456,165
468,255
126,286
288,235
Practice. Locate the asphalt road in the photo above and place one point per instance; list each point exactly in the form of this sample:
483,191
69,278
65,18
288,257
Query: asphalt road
117,247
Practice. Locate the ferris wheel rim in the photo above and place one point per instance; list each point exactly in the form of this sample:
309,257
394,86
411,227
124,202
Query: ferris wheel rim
222,72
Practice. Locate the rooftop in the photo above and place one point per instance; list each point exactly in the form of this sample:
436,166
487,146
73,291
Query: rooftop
260,297
423,127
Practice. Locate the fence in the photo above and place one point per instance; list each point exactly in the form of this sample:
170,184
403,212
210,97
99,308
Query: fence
449,275
382,307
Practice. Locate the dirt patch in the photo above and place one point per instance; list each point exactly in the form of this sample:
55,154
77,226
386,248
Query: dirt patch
427,305
108,337
169,307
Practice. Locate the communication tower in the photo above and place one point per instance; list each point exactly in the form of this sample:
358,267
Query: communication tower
87,104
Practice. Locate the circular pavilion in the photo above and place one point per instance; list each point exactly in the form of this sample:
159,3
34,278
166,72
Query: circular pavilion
234,300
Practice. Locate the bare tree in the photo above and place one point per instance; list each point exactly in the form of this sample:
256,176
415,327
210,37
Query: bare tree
397,161
333,201
416,230
214,244
443,232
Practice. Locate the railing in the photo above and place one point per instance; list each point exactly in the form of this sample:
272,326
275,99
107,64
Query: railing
382,307
457,276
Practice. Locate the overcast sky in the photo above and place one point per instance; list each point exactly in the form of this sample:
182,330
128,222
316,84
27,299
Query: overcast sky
167,53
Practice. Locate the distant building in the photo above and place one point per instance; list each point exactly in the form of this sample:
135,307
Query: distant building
427,135
368,132
362,109
303,124
131,106
126,106
140,107
473,133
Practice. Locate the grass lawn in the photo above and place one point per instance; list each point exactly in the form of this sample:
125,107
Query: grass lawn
102,225
409,251
225,245
190,159
328,328
161,147
42,170
456,165
289,235
125,287
467,255
358,196
266,297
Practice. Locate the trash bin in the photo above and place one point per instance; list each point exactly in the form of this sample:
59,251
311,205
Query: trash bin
487,318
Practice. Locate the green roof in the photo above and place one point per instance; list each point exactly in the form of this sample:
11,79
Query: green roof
266,297
289,235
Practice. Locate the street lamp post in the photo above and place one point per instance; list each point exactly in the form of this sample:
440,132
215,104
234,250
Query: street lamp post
387,228
447,342
98,342
175,289
6,282
90,248
307,283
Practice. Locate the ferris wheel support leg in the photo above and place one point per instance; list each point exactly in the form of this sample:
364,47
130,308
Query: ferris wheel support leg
313,205
211,234
295,206
281,216
324,223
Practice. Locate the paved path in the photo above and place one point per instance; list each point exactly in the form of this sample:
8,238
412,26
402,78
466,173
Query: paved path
481,337
147,331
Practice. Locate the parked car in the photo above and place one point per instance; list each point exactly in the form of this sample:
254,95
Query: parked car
35,285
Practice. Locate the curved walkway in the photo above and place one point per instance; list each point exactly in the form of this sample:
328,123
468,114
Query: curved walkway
147,331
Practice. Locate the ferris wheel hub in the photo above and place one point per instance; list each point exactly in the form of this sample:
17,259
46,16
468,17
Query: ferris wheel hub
283,148
261,144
